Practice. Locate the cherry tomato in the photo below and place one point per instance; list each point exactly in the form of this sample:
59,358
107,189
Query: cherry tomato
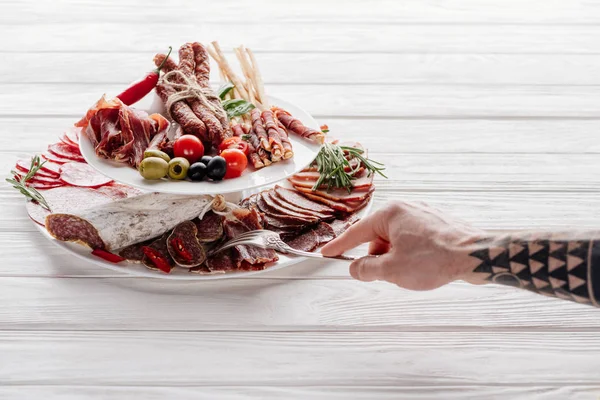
236,162
235,142
188,147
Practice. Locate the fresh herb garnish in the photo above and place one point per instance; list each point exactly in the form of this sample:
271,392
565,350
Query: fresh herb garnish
28,191
237,107
336,170
224,89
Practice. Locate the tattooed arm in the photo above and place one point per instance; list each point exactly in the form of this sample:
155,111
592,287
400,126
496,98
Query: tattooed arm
420,248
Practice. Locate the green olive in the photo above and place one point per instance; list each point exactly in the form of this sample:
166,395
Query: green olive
178,168
153,168
157,153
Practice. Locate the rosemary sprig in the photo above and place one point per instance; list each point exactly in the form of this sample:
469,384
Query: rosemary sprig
28,191
331,163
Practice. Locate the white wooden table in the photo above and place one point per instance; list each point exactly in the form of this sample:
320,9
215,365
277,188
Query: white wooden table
487,109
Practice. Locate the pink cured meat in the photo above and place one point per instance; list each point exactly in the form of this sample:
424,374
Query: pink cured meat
73,146
294,197
308,179
82,175
55,159
72,135
346,207
341,195
40,179
48,169
63,151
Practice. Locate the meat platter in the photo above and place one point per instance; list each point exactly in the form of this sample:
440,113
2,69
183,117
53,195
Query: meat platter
199,166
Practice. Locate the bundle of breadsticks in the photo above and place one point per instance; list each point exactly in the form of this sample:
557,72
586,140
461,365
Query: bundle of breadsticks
266,128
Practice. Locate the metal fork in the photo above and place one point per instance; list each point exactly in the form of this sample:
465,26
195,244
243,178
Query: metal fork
270,240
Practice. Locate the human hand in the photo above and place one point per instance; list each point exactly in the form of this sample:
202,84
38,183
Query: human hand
419,248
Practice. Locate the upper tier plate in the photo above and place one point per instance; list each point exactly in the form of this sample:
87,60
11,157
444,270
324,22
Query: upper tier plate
304,154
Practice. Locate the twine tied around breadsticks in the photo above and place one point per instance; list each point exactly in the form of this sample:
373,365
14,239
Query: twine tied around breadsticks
189,89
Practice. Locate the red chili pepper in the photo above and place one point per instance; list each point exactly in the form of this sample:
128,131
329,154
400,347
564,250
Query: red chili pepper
138,89
177,244
108,256
157,259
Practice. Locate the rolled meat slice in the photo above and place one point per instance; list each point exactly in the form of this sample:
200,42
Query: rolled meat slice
295,125
125,222
273,135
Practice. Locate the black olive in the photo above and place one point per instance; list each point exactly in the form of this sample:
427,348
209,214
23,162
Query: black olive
216,168
205,160
197,171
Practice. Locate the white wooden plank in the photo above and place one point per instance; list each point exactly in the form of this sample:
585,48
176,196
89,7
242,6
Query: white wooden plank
103,36
261,11
327,392
387,135
323,68
422,101
299,358
279,305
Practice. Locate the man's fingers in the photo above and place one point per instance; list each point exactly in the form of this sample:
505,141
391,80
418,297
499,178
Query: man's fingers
369,268
365,230
379,246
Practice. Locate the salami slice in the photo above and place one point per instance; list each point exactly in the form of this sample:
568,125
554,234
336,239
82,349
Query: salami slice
44,186
63,151
73,146
156,255
56,159
184,247
83,175
40,179
48,168
210,227
135,252
72,135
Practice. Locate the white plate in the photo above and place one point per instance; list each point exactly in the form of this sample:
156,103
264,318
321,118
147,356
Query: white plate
304,154
84,253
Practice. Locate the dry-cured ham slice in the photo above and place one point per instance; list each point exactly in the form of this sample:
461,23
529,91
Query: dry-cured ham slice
306,241
119,132
289,206
340,195
125,222
273,208
80,174
340,225
325,233
293,197
346,207
284,219
307,179
275,144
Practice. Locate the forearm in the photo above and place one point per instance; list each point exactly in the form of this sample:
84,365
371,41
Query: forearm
565,266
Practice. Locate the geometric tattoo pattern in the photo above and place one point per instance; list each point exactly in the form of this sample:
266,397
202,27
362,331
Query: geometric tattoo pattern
557,268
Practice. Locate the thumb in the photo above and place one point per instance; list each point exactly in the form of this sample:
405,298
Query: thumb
370,268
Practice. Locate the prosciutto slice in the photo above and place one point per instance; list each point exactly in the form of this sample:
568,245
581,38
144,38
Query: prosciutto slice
119,132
